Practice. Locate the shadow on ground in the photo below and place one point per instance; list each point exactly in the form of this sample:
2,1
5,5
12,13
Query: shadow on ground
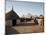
10,30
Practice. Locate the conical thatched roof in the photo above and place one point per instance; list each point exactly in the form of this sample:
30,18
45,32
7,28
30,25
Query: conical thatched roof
11,15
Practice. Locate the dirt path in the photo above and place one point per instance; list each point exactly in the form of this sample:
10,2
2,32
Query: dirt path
34,29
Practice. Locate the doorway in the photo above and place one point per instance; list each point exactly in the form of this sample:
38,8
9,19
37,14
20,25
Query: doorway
13,22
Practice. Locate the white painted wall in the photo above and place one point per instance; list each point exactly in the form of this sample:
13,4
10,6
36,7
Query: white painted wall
18,21
40,21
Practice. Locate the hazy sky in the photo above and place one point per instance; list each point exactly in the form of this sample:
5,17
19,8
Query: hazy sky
22,7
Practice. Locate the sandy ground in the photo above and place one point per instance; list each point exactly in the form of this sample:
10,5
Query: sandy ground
29,29
23,29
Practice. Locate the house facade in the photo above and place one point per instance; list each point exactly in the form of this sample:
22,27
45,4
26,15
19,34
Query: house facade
11,18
